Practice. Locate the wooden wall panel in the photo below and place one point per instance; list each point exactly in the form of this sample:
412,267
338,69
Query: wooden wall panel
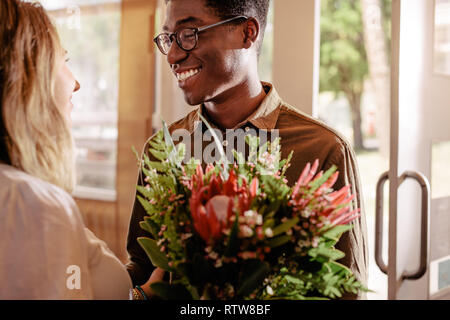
100,217
136,100
110,220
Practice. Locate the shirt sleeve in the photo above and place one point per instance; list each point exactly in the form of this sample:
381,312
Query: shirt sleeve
46,252
354,242
109,278
41,244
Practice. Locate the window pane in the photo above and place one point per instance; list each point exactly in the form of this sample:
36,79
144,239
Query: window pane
89,31
440,175
442,37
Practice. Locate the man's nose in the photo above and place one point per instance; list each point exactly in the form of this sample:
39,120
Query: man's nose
176,54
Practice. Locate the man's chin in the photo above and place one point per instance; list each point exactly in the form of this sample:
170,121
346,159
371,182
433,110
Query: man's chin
192,100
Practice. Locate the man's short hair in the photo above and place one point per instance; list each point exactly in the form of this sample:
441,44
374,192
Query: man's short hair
257,9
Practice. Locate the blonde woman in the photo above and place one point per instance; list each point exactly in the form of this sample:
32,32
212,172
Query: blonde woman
46,252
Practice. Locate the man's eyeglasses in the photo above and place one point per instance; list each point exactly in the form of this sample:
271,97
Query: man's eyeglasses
186,39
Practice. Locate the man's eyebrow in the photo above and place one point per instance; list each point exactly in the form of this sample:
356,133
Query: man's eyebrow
183,21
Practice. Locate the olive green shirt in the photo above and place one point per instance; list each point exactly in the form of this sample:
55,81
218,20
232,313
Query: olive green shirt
309,139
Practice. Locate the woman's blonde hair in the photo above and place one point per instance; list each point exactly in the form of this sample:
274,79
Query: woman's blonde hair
34,133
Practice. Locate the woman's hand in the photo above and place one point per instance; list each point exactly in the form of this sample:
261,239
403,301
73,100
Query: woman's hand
157,276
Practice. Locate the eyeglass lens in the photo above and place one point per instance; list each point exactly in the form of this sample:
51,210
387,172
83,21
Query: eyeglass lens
186,38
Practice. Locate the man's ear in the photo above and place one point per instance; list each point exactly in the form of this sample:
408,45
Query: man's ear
251,32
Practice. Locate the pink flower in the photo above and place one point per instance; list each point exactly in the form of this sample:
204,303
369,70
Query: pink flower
213,204
211,219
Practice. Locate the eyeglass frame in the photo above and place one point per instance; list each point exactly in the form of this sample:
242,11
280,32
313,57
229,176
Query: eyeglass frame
196,32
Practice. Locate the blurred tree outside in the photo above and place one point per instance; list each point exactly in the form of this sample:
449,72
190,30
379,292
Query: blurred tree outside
355,67
343,60
376,22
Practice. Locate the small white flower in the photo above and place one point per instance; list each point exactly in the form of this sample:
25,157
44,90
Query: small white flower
306,213
269,290
268,232
185,236
249,213
213,255
246,231
315,242
259,220
303,243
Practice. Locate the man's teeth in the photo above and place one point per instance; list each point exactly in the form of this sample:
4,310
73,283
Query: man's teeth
187,74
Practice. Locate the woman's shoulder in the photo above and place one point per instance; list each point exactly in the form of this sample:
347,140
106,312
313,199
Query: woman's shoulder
33,196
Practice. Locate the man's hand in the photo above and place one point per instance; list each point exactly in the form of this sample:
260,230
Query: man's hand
157,276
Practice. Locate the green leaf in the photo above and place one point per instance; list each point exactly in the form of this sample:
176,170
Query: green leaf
145,226
233,241
167,137
336,267
146,205
239,157
336,232
157,258
317,183
171,292
282,228
279,241
219,147
160,155
284,163
254,275
136,154
170,145
268,222
159,166
293,280
327,253
144,191
181,149
152,226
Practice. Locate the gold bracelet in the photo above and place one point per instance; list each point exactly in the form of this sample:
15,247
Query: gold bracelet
137,295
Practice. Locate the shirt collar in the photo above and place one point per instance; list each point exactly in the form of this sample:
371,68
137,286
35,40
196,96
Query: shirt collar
264,117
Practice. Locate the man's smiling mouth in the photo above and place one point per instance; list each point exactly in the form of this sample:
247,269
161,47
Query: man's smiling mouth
187,74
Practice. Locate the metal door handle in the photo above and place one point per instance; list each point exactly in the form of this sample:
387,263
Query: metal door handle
424,243
379,222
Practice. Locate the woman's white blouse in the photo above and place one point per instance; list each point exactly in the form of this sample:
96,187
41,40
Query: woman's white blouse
46,252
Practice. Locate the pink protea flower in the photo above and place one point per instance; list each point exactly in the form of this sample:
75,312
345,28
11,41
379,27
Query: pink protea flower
213,203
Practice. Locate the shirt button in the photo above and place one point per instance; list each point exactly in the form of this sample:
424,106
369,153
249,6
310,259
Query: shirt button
225,143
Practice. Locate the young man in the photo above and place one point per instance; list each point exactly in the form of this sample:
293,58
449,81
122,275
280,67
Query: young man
212,48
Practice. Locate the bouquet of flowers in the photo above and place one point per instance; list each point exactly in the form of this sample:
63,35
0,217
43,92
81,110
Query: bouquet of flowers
238,231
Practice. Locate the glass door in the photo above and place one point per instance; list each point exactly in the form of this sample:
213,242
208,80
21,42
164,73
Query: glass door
418,262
